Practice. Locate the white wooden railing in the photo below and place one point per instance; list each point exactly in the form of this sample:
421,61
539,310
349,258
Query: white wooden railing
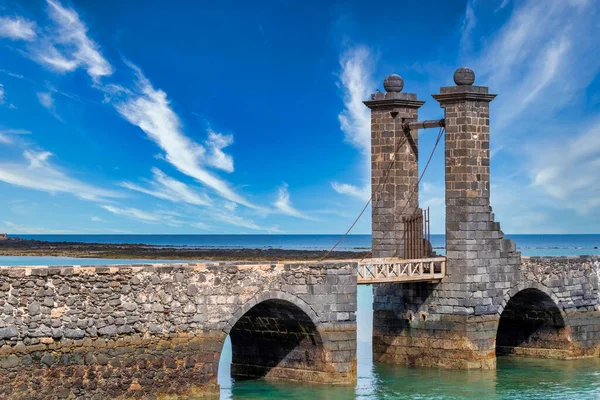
389,270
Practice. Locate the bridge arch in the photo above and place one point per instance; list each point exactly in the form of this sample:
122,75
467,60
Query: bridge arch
275,335
531,323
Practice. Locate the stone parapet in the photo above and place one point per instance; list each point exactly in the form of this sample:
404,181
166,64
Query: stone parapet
148,331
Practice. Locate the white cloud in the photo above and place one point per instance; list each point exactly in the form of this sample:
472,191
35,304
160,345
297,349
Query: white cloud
96,219
17,28
540,59
356,81
361,193
167,188
143,216
150,110
284,204
468,26
503,4
568,172
66,46
14,228
1,94
236,220
46,100
215,143
5,135
39,174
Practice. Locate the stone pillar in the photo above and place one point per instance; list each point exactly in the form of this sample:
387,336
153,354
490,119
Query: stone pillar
453,323
476,250
391,196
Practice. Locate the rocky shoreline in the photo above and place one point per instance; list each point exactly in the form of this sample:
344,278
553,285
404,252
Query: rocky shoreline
19,247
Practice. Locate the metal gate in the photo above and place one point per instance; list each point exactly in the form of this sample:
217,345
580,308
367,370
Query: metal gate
417,235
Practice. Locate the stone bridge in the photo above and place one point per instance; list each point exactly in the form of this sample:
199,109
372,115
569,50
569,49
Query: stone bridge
158,331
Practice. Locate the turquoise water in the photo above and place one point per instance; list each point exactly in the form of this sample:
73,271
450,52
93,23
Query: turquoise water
515,378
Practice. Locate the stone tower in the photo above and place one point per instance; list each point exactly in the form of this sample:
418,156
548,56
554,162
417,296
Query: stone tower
451,323
392,197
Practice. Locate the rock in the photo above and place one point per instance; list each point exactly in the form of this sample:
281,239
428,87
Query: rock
34,308
9,362
9,332
74,333
110,330
189,308
48,359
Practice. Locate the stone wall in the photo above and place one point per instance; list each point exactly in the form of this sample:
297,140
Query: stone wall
155,331
426,324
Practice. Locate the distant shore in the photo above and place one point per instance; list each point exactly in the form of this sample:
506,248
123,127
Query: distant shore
18,247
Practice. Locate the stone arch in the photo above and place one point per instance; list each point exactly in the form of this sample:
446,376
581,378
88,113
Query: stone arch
531,285
532,323
275,335
270,295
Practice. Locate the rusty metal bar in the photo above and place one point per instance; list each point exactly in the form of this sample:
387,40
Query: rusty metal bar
432,123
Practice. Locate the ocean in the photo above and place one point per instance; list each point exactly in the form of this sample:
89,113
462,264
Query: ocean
515,378
527,244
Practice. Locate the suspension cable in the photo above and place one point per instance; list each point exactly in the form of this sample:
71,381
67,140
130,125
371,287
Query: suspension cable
387,173
437,141
385,177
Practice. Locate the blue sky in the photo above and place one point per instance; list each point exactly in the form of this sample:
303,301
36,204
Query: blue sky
231,117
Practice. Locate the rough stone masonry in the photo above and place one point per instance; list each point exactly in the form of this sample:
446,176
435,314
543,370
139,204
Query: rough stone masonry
492,300
155,331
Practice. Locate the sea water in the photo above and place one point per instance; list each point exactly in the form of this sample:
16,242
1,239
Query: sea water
514,378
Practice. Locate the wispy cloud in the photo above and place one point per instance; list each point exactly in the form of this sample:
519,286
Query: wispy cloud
568,171
362,193
64,46
39,174
1,94
17,28
469,22
47,101
543,60
149,109
167,188
357,83
143,216
284,204
6,135
544,54
215,157
503,4
14,228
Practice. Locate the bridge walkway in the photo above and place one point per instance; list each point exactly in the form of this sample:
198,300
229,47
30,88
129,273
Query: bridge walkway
397,270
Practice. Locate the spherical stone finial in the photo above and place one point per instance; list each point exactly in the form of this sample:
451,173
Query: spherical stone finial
393,83
464,76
